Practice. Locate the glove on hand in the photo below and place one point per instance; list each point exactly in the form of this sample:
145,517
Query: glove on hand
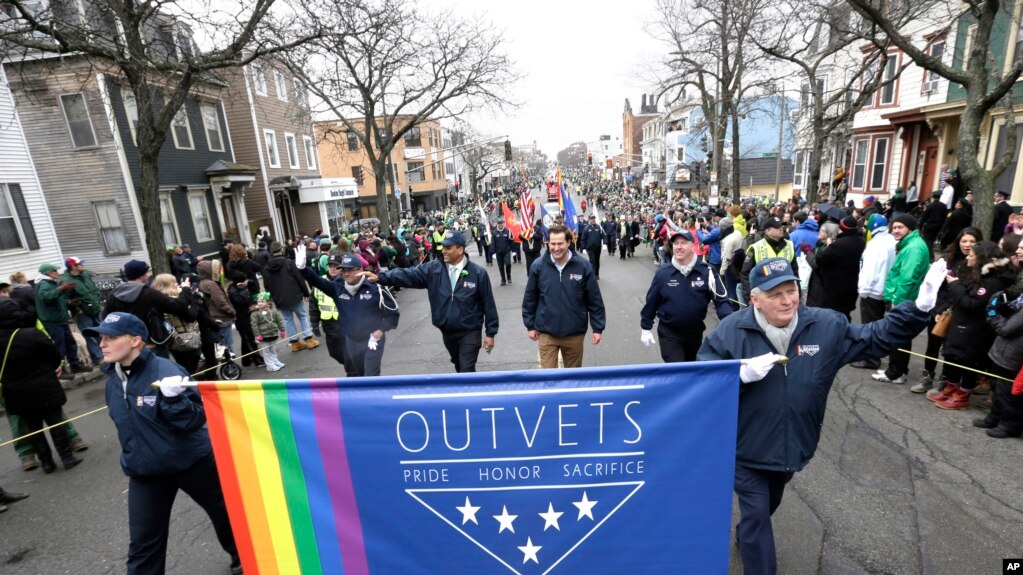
373,342
283,335
300,256
932,282
757,368
259,338
646,337
172,386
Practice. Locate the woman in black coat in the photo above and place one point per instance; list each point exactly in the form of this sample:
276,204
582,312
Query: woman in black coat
839,267
32,390
959,219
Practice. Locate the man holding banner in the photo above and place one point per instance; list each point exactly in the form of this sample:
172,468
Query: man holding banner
783,397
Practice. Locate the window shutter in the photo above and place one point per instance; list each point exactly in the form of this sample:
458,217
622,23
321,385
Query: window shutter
23,216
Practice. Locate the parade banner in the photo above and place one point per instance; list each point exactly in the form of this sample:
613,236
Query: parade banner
597,471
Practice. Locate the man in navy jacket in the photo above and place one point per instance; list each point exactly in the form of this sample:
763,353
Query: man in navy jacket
461,299
790,355
591,239
561,297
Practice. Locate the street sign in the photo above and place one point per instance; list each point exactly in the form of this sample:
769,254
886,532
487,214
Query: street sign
713,176
713,200
397,192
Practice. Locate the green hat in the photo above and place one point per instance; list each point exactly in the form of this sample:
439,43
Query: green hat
47,268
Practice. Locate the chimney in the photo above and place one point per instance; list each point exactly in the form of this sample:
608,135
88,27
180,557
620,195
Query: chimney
643,106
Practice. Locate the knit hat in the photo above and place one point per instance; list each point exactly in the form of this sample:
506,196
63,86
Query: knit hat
276,247
238,277
868,201
875,222
849,224
907,220
135,269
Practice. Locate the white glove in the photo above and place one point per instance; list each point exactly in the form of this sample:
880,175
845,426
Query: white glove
757,368
300,256
646,337
373,342
172,386
932,282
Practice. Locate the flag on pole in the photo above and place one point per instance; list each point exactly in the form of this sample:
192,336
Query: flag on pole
528,208
485,220
511,222
569,209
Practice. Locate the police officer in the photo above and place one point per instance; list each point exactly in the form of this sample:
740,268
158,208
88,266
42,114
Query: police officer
461,299
502,240
591,239
774,244
326,306
368,312
678,297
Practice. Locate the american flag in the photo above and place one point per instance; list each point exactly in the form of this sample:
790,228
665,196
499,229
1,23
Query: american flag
528,208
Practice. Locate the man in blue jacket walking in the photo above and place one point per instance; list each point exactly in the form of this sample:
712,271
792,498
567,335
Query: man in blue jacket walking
165,445
790,355
461,299
561,295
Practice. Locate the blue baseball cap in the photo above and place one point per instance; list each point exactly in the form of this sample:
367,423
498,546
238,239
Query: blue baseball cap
453,238
119,323
769,273
684,234
348,261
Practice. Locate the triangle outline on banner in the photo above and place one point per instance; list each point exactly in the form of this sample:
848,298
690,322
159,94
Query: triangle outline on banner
638,485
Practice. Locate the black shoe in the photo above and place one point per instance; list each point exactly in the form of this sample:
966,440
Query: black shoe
81,368
236,565
70,461
1001,433
985,423
67,375
48,466
509,280
866,364
11,497
3,508
317,332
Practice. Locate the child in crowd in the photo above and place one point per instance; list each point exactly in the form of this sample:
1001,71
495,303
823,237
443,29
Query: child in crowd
268,325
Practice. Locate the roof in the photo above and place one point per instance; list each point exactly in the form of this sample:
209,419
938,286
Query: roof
764,170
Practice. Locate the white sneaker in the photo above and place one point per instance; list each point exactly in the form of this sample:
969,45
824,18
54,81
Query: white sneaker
273,368
280,365
882,377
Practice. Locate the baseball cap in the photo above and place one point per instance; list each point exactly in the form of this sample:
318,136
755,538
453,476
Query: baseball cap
1002,193
773,223
454,238
325,242
680,234
348,261
73,261
135,269
119,323
769,273
47,268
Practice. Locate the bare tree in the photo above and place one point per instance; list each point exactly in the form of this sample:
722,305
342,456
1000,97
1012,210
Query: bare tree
980,74
388,65
150,46
482,159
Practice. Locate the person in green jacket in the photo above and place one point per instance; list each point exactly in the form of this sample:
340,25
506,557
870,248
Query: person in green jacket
52,310
912,260
85,302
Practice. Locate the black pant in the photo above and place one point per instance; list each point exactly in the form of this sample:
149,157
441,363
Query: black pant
530,258
464,348
479,247
871,309
150,500
933,349
678,346
489,253
504,264
594,256
336,345
187,359
248,344
759,492
1006,409
35,420
898,361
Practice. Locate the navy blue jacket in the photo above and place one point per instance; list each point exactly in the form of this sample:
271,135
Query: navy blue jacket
592,237
469,307
159,435
558,303
680,302
361,314
502,240
780,416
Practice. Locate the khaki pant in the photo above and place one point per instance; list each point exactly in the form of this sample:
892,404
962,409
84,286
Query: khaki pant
571,348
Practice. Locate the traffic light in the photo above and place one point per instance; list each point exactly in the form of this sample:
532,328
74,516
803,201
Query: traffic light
589,159
507,151
355,210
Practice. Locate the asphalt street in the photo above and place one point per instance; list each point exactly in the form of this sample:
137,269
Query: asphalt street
897,485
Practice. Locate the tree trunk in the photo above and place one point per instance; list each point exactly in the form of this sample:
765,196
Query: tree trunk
383,208
149,205
976,178
734,172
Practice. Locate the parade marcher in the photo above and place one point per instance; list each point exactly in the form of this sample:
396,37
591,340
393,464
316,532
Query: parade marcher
165,445
502,250
561,300
52,301
790,355
875,262
591,238
773,244
534,245
289,292
84,302
610,226
1002,212
629,237
369,311
678,298
461,300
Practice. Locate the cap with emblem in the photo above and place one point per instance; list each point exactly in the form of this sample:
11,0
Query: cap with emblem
771,272
348,262
773,223
73,261
47,268
453,238
118,323
681,234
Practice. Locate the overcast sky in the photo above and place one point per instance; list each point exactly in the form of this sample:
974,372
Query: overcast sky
580,60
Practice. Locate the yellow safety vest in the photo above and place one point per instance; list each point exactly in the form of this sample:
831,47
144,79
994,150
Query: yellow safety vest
438,237
328,309
763,250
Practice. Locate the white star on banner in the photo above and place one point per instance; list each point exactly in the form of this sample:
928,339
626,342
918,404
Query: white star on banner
468,512
585,507
505,520
551,517
529,551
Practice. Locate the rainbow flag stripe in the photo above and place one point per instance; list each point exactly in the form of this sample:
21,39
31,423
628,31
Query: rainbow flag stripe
280,456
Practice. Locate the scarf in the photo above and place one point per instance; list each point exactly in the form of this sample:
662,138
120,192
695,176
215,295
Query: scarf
351,289
778,336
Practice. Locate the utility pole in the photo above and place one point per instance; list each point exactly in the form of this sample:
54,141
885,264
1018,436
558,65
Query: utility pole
781,136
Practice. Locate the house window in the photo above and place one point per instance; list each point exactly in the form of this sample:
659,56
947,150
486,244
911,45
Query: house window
79,124
10,232
879,169
292,145
110,229
449,167
413,138
797,174
181,131
859,172
889,82
414,170
353,141
300,95
170,228
310,152
282,86
211,123
131,111
259,79
937,50
680,154
200,216
357,174
270,139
